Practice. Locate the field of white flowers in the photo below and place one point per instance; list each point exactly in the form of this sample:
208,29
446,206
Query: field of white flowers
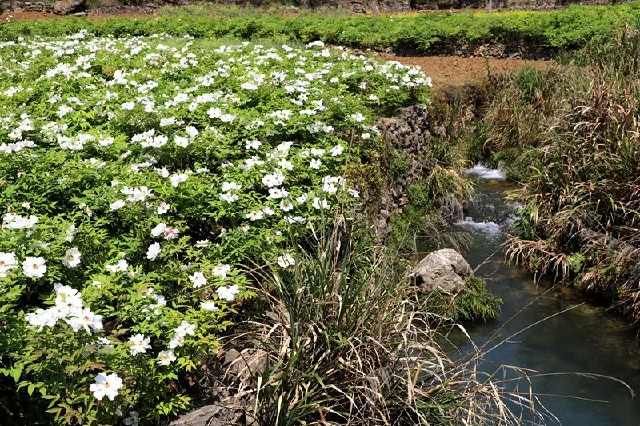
141,180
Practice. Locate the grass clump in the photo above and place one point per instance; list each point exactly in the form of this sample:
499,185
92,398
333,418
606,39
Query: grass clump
348,340
570,136
473,303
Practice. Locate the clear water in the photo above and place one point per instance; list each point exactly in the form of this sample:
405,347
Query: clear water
584,339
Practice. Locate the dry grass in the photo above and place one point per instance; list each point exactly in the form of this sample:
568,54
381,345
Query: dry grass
346,340
572,137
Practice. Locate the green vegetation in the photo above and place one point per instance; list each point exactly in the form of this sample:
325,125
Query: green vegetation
152,186
541,32
474,303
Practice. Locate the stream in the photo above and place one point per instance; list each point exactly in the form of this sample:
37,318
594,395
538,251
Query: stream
577,338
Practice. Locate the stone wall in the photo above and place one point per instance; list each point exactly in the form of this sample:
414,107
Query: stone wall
28,5
500,4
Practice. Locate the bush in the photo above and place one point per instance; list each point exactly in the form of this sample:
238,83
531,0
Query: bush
536,33
141,178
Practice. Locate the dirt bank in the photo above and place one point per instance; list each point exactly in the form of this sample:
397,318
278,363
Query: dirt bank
455,71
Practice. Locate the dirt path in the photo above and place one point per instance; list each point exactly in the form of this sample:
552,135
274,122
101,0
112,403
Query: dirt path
456,71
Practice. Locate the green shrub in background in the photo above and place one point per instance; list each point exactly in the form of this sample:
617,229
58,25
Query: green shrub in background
537,32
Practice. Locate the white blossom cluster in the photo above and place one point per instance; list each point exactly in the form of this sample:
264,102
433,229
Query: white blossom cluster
186,153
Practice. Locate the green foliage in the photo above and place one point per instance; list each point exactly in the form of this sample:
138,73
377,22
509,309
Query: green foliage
146,177
474,303
434,32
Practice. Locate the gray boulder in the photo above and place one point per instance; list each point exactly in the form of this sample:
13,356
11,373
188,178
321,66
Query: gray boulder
66,7
444,269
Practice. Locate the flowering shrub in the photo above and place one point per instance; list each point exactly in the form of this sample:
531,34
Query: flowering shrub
139,177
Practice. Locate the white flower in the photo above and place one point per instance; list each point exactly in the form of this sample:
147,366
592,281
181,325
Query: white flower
181,141
255,215
117,205
230,186
8,261
191,131
86,320
337,150
14,221
208,305
228,197
128,106
273,179
249,86
166,357
178,178
330,184
106,385
167,121
228,293
138,344
198,279
105,142
34,267
120,266
221,271
183,330
163,208
153,251
286,260
252,144
72,258
315,164
43,318
357,117
158,230
320,204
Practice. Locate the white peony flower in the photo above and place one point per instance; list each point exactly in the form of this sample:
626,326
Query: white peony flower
166,357
138,344
228,293
8,261
158,229
221,271
117,205
106,385
198,279
153,251
72,258
286,261
34,267
209,305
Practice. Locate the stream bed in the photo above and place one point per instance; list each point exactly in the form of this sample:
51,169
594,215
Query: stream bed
577,338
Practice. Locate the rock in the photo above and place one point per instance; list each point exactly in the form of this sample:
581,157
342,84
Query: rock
66,7
246,364
212,415
444,269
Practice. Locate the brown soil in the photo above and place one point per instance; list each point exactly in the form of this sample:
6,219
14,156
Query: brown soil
456,71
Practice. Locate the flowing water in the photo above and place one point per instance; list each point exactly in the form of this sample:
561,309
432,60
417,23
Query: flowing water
582,339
